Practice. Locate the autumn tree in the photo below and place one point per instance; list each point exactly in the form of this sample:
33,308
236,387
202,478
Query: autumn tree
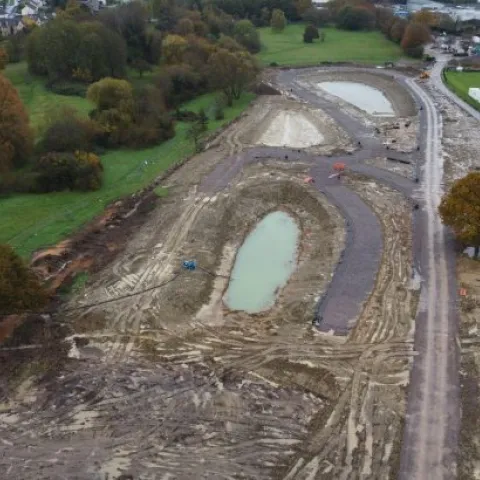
302,6
3,58
110,93
278,21
20,289
460,209
415,36
426,17
173,48
310,33
232,72
16,137
398,30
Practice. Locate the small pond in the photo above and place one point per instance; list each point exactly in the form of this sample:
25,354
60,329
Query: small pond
362,96
264,264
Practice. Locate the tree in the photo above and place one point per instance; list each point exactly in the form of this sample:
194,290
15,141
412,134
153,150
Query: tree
246,34
415,36
355,18
427,17
232,72
302,6
316,16
173,48
111,93
20,289
196,131
460,209
398,30
141,66
185,27
3,58
69,171
16,137
278,21
310,34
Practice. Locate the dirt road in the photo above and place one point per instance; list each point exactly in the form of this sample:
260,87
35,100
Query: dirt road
158,391
431,434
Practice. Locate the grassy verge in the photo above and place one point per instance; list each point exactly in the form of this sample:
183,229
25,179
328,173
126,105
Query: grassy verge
29,221
37,99
287,48
460,82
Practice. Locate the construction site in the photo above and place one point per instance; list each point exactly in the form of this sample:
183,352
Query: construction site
268,319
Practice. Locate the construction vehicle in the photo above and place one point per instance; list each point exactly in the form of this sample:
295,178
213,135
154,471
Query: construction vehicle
424,76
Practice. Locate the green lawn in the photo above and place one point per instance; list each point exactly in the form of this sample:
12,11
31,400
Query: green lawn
28,222
287,48
38,100
460,82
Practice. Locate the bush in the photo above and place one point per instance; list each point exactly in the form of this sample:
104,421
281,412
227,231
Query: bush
73,89
219,107
310,34
68,171
18,182
414,52
69,133
19,287
180,83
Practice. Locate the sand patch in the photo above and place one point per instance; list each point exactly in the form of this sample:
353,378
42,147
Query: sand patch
291,129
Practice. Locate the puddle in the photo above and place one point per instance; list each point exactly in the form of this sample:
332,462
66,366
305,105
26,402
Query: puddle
362,96
291,129
264,263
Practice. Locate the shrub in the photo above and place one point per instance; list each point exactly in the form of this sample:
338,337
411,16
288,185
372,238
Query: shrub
69,133
69,171
180,83
310,34
73,89
19,287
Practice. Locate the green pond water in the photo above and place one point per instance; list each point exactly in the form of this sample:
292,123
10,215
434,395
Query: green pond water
264,263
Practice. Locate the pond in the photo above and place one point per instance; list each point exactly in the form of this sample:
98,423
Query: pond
264,264
364,97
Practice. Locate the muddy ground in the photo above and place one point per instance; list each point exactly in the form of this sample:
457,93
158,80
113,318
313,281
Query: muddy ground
269,126
171,384
468,271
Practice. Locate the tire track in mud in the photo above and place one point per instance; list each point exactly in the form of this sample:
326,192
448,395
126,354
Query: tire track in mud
353,435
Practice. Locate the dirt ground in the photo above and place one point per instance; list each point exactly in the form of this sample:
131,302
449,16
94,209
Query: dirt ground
277,121
400,99
171,384
468,271
460,142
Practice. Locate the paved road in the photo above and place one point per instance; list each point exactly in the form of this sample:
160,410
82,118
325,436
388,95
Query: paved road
436,80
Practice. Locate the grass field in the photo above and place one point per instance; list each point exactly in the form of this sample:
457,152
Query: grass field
37,98
287,48
460,82
30,221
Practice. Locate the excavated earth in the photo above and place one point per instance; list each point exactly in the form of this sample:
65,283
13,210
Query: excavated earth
172,384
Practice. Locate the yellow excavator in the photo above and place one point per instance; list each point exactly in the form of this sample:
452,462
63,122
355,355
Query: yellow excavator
424,76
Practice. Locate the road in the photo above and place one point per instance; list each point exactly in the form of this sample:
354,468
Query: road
431,433
436,80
